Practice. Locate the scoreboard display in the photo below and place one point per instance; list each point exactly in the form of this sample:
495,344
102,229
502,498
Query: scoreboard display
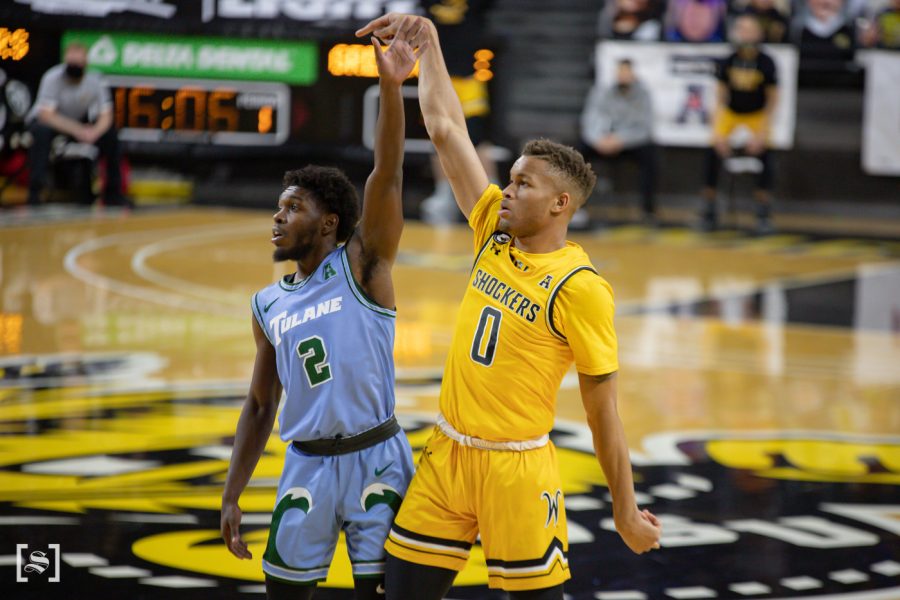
196,93
240,113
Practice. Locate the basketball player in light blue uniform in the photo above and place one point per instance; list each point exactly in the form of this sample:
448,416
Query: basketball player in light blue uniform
326,334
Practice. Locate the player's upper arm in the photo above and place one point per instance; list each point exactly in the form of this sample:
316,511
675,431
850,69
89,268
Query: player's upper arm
598,394
460,161
583,312
265,386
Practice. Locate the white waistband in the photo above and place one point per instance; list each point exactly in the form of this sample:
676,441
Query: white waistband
474,442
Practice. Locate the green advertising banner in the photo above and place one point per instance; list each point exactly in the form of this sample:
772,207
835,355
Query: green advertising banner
200,57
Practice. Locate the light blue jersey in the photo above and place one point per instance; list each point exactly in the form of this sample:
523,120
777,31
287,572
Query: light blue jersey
334,351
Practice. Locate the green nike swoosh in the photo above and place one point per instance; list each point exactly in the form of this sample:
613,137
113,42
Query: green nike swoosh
269,305
378,472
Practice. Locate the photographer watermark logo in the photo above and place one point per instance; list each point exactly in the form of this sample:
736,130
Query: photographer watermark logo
38,563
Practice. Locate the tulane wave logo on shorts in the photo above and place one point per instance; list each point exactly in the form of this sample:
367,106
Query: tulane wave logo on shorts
380,493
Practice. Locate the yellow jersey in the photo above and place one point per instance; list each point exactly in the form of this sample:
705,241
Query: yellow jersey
523,320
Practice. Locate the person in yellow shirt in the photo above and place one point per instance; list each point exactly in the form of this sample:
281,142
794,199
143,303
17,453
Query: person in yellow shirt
533,305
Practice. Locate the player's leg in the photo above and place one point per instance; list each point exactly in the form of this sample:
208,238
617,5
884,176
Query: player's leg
301,540
280,590
406,579
369,588
434,531
376,481
550,593
522,520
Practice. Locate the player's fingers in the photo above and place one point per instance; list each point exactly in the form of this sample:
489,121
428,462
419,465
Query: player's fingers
421,49
375,24
414,30
238,547
378,47
403,27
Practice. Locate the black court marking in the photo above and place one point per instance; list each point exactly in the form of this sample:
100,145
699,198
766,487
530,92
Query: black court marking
794,529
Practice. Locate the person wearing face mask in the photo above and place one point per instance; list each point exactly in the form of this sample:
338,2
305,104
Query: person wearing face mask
746,96
616,124
76,103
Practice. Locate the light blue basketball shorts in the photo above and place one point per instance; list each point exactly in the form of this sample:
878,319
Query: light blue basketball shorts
318,496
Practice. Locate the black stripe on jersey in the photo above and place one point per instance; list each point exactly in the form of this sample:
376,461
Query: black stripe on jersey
481,252
430,539
556,291
556,544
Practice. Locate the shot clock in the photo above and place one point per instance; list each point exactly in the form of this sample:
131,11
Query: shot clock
160,109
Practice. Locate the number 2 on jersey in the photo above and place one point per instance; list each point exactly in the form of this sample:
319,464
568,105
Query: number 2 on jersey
484,346
313,354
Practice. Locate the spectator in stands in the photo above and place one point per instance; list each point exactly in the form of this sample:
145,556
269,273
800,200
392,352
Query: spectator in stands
746,96
632,20
696,21
616,124
826,34
76,103
460,25
771,14
882,28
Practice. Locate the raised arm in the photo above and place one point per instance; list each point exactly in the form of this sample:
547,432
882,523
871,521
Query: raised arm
639,529
253,430
382,211
442,110
373,250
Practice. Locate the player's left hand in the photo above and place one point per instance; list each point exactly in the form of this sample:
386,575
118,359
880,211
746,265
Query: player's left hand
640,531
396,63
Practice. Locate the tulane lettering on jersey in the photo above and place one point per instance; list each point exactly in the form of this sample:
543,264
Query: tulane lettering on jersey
334,351
282,322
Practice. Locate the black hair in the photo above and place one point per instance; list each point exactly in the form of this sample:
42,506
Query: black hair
333,192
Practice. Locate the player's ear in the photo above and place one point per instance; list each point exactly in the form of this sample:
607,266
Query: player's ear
329,223
561,203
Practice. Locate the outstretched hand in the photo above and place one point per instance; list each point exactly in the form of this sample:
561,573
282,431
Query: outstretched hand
396,63
384,27
398,60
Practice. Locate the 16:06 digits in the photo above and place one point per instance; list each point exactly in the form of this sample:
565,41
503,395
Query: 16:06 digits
186,109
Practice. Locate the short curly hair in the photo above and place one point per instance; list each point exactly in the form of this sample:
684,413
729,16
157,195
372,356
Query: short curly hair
568,164
332,190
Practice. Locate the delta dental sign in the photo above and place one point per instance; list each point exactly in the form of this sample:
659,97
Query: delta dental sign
294,62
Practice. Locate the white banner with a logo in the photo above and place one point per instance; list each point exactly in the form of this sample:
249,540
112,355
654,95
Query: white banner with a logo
681,81
881,115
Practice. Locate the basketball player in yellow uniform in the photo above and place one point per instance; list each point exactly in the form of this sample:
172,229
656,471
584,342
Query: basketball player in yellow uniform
533,305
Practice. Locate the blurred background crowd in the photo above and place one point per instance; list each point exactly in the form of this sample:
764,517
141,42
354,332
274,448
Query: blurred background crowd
679,88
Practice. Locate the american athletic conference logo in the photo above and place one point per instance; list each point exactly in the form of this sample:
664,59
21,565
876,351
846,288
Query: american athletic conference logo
37,563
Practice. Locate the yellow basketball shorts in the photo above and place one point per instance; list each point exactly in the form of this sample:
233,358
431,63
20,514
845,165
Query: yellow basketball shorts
512,498
727,121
